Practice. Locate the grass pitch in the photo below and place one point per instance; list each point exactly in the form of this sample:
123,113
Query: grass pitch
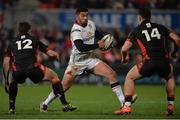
93,103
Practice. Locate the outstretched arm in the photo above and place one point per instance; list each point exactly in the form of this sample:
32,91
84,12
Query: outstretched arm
176,42
6,69
175,38
52,54
46,50
124,51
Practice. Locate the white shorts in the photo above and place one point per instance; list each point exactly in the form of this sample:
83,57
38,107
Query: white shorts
77,68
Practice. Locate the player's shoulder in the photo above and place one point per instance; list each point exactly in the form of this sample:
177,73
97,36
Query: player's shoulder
90,22
31,37
76,27
159,25
135,30
24,36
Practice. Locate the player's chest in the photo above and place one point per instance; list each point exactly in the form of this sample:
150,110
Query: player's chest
88,32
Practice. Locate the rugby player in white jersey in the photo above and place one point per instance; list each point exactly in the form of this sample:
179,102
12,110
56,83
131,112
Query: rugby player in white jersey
83,34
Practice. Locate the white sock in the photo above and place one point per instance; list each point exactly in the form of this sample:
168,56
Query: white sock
127,104
50,98
118,91
171,102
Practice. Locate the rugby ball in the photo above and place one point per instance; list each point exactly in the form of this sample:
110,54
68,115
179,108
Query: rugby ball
108,39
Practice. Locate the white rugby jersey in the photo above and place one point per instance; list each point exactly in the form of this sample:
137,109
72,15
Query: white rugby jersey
87,35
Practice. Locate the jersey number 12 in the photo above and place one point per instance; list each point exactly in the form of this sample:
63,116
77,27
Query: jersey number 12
154,33
27,42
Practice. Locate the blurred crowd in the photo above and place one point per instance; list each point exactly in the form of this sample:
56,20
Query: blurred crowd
60,41
96,4
111,4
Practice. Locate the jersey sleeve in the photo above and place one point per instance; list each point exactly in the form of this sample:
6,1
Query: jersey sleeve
165,31
131,37
42,47
76,34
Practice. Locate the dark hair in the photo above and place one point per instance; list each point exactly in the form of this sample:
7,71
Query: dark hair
145,13
24,27
78,10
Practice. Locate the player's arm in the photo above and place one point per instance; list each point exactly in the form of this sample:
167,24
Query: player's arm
49,52
76,37
175,38
171,35
87,47
6,69
127,45
124,51
176,41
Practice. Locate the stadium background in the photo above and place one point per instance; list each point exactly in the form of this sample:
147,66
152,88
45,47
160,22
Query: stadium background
51,21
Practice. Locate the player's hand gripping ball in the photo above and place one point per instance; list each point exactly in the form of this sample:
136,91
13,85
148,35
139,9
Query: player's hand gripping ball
108,39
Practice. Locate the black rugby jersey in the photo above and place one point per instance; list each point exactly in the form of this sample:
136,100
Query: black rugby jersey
23,50
151,38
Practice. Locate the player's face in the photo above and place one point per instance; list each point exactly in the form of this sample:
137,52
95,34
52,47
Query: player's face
82,18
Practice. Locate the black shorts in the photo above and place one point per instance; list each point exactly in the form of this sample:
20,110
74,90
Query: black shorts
34,72
159,67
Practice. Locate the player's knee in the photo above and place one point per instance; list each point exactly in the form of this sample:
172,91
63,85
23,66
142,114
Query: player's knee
55,81
112,74
13,82
54,78
128,77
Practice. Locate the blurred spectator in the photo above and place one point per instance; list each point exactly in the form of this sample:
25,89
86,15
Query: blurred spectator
49,4
169,4
95,4
119,37
117,4
59,39
141,3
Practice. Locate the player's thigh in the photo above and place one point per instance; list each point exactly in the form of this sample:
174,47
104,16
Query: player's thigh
36,74
171,73
146,68
104,70
134,73
165,70
18,76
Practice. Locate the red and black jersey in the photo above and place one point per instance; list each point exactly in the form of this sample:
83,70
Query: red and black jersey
23,50
151,39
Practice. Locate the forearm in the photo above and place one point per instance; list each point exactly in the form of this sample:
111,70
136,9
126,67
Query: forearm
124,50
52,54
175,38
85,47
6,67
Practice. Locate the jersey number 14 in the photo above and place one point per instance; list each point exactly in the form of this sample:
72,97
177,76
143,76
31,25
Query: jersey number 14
154,34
